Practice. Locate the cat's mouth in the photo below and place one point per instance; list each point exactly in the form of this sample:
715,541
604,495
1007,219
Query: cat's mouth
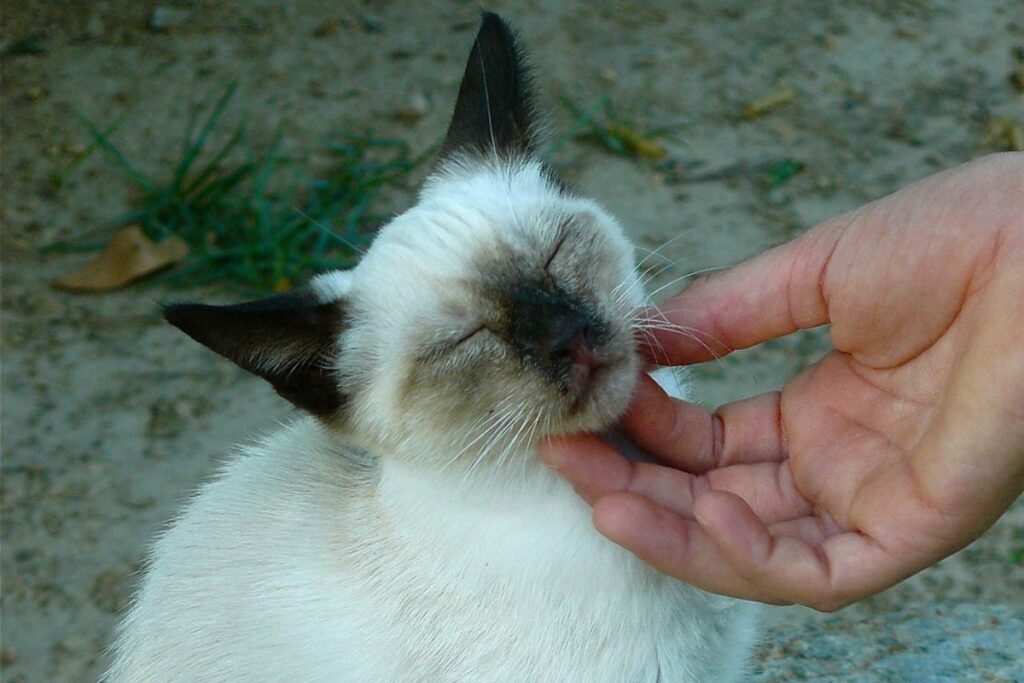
582,379
586,378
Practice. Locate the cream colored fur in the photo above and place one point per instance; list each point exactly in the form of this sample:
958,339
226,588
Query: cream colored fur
413,541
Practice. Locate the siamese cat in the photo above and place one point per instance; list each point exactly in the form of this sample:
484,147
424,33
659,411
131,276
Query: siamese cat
404,528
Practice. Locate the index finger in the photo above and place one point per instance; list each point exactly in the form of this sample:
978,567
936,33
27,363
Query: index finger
771,295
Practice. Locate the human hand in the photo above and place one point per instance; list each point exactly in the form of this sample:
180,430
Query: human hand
898,448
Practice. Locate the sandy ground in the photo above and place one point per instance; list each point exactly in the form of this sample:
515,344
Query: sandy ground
110,417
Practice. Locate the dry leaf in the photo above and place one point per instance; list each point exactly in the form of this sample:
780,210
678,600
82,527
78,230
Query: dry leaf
768,103
128,256
637,144
1004,134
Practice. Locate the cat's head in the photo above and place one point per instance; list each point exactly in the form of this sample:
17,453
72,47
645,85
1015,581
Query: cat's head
499,307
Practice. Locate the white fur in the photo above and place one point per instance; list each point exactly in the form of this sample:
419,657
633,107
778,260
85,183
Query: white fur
332,286
331,556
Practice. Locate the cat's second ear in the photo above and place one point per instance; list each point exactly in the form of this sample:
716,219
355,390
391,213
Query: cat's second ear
494,112
290,340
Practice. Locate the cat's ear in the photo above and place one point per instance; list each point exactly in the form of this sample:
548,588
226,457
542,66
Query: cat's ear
290,340
494,113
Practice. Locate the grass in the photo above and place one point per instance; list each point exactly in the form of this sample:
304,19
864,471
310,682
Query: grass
605,126
602,124
258,221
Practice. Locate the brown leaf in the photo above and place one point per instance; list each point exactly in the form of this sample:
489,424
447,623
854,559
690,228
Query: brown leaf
769,102
1004,134
128,256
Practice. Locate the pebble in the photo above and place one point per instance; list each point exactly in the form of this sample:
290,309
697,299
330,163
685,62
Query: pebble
961,642
328,27
164,19
109,591
414,109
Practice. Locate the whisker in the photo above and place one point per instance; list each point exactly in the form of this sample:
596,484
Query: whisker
496,418
657,250
329,230
684,277
508,423
651,325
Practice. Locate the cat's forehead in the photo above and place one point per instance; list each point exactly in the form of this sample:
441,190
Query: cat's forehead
462,221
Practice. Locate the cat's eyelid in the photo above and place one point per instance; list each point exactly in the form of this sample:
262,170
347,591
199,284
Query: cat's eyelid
469,335
443,348
558,247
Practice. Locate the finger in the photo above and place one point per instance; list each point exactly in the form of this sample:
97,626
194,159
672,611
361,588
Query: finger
841,569
768,296
596,469
768,488
685,435
672,545
592,466
812,530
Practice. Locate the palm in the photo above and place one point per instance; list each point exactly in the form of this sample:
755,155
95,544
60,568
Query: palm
863,428
851,434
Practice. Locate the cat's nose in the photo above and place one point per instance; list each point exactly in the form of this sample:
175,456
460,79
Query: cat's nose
570,336
550,326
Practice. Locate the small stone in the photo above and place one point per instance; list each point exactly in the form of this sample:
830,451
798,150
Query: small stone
327,28
29,45
166,418
831,43
947,642
370,24
414,110
164,19
1017,79
316,89
401,54
108,591
94,28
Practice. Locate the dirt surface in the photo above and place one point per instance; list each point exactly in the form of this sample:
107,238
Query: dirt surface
110,417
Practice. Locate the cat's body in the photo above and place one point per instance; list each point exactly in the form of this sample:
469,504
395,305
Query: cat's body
408,531
440,584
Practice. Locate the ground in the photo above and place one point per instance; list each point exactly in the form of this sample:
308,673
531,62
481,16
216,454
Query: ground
110,417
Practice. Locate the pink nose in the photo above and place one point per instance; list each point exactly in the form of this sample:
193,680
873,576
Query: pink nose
580,351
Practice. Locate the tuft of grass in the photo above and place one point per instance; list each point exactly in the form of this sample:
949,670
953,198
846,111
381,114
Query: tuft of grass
261,223
29,45
778,172
601,124
1016,554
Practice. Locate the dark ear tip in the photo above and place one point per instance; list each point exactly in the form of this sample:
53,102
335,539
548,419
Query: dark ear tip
490,22
173,312
180,315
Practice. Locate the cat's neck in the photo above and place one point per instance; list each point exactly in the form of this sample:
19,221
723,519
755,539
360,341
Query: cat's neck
485,484
488,500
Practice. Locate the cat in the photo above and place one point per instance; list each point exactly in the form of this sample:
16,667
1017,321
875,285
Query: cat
404,529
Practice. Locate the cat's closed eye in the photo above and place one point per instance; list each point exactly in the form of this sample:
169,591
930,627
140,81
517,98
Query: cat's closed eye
554,252
468,336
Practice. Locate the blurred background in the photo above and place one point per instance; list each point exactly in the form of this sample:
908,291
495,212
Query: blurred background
157,151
